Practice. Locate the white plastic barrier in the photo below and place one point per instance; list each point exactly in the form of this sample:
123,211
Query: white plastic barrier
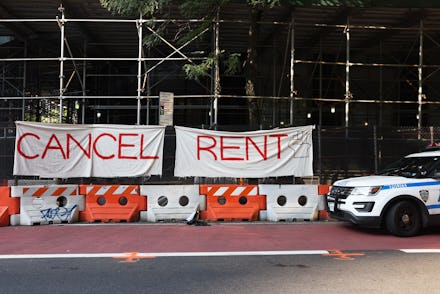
14,220
171,203
48,204
290,202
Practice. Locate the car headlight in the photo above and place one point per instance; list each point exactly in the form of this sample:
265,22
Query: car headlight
366,191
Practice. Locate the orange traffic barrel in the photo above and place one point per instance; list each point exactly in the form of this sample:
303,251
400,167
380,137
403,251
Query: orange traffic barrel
322,192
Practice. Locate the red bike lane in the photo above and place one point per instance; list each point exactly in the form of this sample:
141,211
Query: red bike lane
218,237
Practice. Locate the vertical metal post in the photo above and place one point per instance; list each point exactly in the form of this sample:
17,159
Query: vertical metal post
292,66
139,73
320,81
23,104
84,91
3,78
216,69
380,86
211,101
61,24
147,86
274,91
347,74
320,115
420,76
148,99
347,88
2,92
377,152
376,165
319,153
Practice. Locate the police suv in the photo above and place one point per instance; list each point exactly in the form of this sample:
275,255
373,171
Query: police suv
403,198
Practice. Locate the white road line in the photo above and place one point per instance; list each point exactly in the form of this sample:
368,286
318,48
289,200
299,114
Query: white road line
163,254
83,255
239,253
420,250
186,254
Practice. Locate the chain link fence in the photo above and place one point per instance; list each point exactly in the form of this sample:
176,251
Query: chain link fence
348,152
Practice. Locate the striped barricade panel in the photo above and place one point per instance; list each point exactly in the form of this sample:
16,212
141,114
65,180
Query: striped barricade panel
53,204
112,203
291,202
232,202
171,203
9,207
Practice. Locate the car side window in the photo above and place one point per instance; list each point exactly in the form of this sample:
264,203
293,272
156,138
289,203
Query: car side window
434,172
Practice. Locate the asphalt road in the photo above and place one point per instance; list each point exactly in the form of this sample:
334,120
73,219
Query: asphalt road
221,258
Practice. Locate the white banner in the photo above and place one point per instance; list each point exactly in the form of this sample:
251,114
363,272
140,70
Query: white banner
64,151
259,154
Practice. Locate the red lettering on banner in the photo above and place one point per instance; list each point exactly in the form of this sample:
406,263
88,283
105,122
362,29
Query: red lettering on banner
122,145
142,156
56,147
20,151
96,141
87,151
279,136
87,145
208,148
263,154
223,147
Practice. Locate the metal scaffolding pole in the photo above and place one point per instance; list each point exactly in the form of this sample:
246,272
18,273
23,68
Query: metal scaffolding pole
274,78
320,83
147,119
320,115
84,92
3,78
216,69
380,85
292,67
347,74
139,73
420,78
23,102
61,91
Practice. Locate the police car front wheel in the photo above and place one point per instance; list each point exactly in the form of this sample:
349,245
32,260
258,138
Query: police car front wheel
403,219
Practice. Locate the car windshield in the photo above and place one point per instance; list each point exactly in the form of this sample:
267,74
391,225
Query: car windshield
412,167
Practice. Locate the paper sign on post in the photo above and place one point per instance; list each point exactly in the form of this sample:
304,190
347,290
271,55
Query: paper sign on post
166,101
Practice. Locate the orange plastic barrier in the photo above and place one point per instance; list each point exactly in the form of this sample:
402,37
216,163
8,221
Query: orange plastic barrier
322,213
8,206
232,202
112,203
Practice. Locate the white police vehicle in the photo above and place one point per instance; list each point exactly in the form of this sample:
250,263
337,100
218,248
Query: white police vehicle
403,198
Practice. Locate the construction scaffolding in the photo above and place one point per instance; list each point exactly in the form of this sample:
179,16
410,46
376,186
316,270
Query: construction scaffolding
331,67
297,96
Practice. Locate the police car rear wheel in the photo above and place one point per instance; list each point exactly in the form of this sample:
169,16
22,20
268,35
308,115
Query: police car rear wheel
403,219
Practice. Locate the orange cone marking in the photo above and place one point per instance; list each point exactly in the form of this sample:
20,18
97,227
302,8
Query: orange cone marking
132,257
339,255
